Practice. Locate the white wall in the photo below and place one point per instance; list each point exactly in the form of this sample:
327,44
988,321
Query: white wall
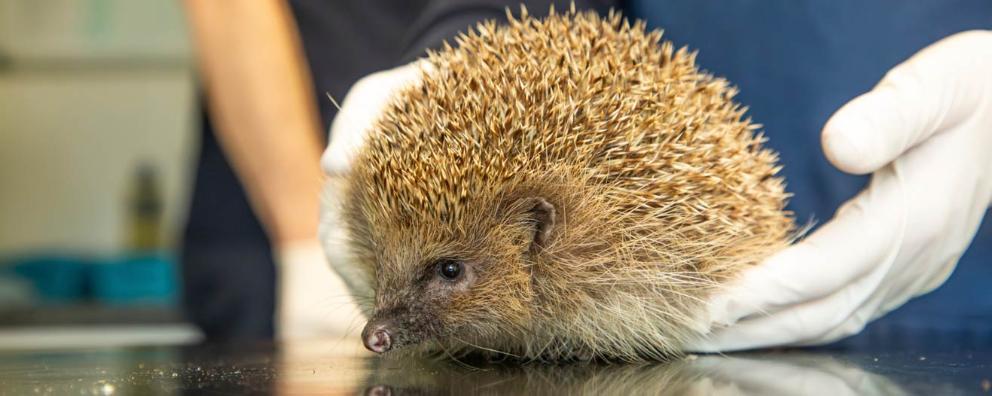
91,88
76,30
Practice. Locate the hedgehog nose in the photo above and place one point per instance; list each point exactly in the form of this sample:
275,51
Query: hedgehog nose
377,337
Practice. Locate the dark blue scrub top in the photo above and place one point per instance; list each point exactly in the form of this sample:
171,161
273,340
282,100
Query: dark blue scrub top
796,62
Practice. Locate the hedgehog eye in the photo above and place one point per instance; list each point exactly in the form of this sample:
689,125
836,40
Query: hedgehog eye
449,269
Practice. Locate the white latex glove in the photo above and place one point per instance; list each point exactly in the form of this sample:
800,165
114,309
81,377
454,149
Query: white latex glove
312,300
926,133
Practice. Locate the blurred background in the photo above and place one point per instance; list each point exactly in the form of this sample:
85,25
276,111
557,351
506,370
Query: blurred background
97,118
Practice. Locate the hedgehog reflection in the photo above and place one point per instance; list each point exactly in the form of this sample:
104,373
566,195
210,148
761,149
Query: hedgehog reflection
769,374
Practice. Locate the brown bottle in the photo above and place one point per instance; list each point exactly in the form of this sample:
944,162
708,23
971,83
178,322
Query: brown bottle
144,211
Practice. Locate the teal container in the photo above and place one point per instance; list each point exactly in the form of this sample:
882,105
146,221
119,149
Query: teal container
149,279
56,279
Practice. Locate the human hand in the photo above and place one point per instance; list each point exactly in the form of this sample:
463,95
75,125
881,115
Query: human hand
925,131
312,301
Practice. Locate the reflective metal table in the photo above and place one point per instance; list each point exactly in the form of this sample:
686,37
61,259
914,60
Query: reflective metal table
340,367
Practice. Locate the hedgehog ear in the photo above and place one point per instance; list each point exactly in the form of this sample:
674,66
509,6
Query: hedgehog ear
542,214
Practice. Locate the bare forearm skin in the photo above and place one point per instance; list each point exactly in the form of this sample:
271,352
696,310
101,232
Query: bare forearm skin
259,95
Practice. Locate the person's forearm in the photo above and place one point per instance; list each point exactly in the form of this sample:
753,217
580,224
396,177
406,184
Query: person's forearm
260,100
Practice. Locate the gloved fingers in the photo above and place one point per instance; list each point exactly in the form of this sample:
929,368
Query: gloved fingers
312,301
916,99
862,237
334,239
923,257
360,110
943,213
843,313
900,237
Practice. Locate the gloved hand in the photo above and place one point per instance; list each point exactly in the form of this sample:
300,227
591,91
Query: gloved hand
926,133
312,301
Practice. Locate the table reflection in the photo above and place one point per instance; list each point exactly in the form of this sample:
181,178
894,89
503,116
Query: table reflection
783,374
336,368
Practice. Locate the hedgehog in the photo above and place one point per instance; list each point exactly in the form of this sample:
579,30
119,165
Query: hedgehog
561,188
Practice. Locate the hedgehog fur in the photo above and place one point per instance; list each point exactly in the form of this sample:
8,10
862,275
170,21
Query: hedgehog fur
589,184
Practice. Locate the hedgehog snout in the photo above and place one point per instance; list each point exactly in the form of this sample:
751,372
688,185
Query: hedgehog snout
378,336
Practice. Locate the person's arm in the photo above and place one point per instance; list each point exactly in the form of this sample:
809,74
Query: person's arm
260,98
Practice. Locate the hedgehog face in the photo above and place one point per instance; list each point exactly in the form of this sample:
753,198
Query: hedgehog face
413,309
458,287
